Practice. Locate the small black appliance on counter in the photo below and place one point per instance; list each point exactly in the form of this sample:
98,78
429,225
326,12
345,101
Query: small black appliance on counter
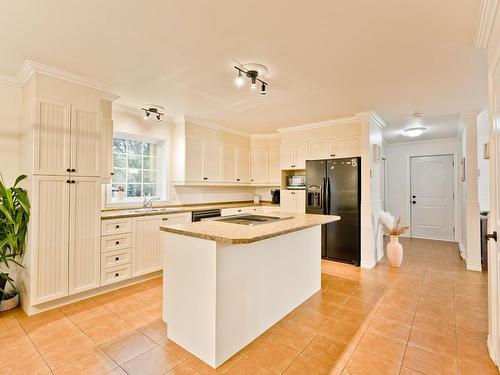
275,196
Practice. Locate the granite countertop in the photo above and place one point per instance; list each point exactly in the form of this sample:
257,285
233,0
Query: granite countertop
241,234
165,210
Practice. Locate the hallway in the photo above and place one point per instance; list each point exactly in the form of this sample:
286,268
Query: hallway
428,317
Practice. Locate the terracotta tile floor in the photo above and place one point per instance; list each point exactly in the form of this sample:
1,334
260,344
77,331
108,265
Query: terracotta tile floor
428,317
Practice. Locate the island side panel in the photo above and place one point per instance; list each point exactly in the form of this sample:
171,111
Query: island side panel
260,283
189,283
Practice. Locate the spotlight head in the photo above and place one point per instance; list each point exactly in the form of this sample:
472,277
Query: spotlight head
263,89
146,117
158,117
239,80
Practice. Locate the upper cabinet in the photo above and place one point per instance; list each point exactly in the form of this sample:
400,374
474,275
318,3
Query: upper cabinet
67,139
260,166
228,163
344,147
195,160
213,162
294,155
274,166
321,149
243,165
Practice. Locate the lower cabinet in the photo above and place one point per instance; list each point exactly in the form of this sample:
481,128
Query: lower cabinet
147,249
293,201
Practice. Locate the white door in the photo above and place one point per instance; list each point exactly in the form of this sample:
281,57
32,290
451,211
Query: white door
243,165
274,167
213,162
287,156
51,237
320,150
85,142
432,197
52,138
194,160
301,153
146,245
228,163
84,243
260,166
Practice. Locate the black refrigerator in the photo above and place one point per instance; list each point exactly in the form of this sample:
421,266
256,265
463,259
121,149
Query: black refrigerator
333,187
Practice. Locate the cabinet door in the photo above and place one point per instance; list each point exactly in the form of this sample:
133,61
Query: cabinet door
287,158
84,241
243,165
300,201
320,150
107,150
52,138
194,160
146,245
287,201
260,166
346,147
274,167
50,238
213,162
228,163
301,151
85,142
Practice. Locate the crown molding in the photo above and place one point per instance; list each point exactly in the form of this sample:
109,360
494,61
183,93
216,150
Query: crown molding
485,22
127,109
265,136
29,67
371,115
316,125
210,125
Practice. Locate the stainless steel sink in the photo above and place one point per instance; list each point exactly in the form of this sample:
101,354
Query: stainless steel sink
146,210
251,219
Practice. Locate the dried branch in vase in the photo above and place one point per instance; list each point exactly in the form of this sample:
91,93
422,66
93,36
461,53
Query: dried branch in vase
391,227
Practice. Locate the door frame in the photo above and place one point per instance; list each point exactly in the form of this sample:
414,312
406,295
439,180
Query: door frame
456,206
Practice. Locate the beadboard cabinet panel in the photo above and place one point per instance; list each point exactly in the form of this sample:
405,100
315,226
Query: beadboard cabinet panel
50,237
85,142
107,150
52,138
260,166
346,147
243,165
194,160
321,150
228,163
213,162
84,244
274,166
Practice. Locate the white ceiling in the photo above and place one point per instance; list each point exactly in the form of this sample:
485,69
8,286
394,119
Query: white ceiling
327,59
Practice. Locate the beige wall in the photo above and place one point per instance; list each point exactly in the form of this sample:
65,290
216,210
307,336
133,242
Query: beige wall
11,99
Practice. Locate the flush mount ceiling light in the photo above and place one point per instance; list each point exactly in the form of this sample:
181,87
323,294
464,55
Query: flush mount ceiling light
417,129
251,71
153,109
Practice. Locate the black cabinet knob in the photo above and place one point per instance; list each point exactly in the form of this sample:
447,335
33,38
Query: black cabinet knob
413,202
117,274
73,181
117,258
117,226
237,179
73,170
68,181
117,242
68,170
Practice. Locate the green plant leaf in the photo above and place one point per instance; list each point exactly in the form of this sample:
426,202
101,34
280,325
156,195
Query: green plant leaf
19,179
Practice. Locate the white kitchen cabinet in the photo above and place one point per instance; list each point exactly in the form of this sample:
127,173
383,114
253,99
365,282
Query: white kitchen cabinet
228,163
293,201
260,166
239,210
194,160
107,150
52,138
84,246
85,142
293,156
50,237
212,162
243,165
147,249
274,167
344,147
321,149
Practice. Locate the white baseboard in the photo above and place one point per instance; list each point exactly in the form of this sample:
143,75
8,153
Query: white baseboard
368,265
474,267
491,351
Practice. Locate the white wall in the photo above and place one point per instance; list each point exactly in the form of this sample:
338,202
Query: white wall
11,99
398,173
483,165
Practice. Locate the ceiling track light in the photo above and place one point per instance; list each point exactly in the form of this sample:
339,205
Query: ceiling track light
156,110
254,78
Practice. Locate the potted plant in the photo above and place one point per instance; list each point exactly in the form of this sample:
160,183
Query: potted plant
119,193
392,228
14,218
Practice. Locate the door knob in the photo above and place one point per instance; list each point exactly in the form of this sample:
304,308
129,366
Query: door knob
491,236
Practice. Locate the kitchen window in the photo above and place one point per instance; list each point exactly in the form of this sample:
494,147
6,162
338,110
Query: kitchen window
135,166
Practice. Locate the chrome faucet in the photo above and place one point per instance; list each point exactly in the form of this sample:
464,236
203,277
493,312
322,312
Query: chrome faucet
149,200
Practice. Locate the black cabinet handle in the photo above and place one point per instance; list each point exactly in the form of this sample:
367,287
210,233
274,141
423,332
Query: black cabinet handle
117,226
117,258
413,202
332,155
73,170
112,174
68,170
68,181
117,242
205,178
165,219
491,236
73,181
117,274
237,179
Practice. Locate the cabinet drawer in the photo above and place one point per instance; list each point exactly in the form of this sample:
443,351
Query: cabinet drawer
176,219
115,226
115,274
115,258
116,242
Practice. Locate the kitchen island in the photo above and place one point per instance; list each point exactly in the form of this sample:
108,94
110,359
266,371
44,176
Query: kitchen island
227,283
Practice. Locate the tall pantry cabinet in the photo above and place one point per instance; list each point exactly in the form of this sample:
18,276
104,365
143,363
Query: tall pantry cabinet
64,127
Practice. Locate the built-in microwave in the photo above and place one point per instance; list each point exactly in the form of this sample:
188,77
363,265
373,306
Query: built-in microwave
296,182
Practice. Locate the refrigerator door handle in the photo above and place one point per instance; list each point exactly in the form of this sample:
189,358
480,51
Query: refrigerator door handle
329,196
323,197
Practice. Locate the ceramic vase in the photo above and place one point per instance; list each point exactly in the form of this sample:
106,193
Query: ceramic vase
395,251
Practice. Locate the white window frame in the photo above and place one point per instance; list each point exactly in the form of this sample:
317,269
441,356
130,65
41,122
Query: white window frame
162,172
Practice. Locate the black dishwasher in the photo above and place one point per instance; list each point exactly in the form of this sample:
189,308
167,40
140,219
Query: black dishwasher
200,215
